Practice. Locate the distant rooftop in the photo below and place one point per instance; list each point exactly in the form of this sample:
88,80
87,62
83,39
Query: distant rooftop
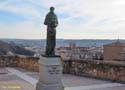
117,43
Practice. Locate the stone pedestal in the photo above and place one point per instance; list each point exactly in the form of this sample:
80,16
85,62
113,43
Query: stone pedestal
50,72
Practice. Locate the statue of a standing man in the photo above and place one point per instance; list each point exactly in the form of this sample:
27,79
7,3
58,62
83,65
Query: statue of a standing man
51,21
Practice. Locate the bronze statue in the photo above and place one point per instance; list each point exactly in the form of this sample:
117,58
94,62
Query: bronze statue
52,22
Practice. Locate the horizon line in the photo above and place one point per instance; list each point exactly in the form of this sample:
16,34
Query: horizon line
65,38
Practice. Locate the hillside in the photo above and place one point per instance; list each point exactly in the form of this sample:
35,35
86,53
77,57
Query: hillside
6,48
62,42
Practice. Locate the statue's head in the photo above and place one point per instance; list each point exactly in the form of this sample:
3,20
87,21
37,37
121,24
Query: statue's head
52,9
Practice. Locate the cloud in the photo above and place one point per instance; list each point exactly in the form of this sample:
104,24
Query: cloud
86,18
21,8
23,30
119,2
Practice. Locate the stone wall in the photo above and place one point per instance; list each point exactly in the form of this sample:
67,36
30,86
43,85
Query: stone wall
8,61
28,63
110,70
99,69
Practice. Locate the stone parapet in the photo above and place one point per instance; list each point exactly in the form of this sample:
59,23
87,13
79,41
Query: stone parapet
109,70
28,63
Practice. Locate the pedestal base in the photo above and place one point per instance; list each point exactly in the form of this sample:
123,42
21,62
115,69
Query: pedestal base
50,71
41,86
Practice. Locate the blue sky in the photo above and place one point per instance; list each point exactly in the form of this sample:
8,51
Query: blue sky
78,19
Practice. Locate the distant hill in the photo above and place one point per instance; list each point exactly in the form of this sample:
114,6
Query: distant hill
62,42
7,48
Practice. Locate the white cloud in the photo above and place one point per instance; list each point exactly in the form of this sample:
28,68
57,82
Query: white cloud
21,8
119,2
23,30
106,17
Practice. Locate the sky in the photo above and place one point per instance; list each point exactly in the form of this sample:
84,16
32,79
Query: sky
78,19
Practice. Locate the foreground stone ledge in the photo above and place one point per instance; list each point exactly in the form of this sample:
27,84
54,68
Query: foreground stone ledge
110,70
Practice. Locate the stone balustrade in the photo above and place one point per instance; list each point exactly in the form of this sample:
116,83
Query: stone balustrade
28,63
110,70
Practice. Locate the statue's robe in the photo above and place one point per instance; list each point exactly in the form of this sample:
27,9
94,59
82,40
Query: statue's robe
51,22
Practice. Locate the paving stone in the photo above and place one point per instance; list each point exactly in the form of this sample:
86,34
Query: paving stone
15,81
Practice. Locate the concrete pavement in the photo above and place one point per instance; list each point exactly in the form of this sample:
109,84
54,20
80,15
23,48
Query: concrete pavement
70,82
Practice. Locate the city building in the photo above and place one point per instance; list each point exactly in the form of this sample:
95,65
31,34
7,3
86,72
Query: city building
114,51
74,52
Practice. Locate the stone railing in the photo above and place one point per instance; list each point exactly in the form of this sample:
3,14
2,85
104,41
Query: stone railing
114,71
29,63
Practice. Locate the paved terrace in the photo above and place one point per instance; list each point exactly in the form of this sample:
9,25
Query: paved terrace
20,79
